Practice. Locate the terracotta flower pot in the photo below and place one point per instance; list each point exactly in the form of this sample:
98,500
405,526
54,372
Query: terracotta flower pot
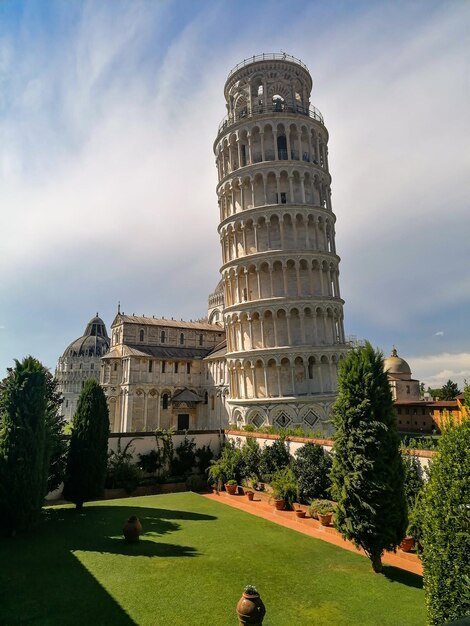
231,489
300,513
279,504
325,520
251,610
250,495
132,529
407,544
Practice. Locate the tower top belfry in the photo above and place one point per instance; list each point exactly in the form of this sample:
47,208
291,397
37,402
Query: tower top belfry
282,307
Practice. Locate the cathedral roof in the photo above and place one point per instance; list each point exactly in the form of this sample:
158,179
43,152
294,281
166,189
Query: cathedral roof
93,342
396,365
158,352
154,321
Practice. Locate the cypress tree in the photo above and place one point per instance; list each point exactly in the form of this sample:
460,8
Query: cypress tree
24,461
443,513
367,472
88,450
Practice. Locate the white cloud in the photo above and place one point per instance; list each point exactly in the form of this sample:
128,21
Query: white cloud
435,370
440,333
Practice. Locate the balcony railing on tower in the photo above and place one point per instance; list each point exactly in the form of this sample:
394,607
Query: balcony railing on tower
261,109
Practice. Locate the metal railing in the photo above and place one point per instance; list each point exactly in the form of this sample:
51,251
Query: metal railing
267,56
261,109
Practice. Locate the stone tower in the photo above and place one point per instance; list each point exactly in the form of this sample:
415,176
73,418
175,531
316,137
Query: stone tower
282,306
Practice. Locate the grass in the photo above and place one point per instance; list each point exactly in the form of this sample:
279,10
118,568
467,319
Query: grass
189,568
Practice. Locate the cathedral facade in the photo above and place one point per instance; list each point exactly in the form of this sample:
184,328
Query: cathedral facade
269,350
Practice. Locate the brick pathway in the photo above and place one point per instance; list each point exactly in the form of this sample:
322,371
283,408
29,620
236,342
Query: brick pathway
260,506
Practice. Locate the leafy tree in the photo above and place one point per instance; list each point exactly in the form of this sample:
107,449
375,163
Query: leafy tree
312,466
87,457
56,445
251,456
413,479
367,473
446,555
274,457
450,390
24,461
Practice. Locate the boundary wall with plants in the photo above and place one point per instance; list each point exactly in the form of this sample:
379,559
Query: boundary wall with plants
145,442
266,439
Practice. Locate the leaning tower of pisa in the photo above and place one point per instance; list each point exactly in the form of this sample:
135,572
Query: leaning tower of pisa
282,307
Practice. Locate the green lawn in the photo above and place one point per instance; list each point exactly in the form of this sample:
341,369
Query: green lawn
189,568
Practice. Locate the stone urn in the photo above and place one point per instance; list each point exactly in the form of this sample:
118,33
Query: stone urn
132,529
250,609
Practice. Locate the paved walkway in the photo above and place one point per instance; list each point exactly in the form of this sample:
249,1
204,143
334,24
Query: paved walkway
311,527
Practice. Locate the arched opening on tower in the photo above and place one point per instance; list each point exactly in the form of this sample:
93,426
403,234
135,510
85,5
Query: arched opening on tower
282,147
278,103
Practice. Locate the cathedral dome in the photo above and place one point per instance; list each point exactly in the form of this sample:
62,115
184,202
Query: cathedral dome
396,365
94,342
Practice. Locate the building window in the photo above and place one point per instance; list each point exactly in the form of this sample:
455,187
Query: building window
163,366
407,389
150,366
176,367
399,411
206,396
92,366
141,335
423,411
201,339
66,404
407,411
399,421
415,411
165,401
162,336
188,368
182,339
212,403
115,367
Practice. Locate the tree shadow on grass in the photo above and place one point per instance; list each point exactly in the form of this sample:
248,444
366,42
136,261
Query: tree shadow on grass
46,577
397,575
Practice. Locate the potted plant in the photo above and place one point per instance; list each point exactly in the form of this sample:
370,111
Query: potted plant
284,488
216,476
322,510
250,607
300,513
412,532
231,487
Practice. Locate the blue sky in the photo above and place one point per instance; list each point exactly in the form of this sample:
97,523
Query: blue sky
108,112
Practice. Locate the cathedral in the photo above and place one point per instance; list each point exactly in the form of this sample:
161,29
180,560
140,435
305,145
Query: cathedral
269,349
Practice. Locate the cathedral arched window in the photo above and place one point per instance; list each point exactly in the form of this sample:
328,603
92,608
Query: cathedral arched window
206,397
162,336
182,338
201,339
141,335
165,401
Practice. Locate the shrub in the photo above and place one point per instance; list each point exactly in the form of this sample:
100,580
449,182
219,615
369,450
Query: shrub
87,456
273,458
312,466
185,458
195,482
321,507
204,457
251,457
227,467
120,471
367,471
284,486
446,555
150,462
413,479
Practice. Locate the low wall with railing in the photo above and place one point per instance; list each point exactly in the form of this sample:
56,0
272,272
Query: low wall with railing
144,442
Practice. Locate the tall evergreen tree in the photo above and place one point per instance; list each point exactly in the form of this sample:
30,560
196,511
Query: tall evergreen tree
56,445
367,473
450,390
442,512
24,460
87,456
